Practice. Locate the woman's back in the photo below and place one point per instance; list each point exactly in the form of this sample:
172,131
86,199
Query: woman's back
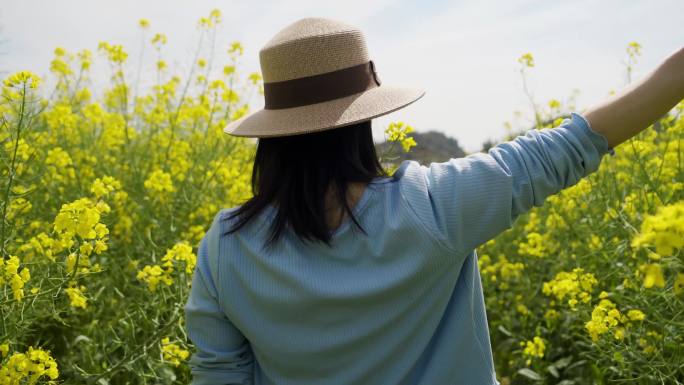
400,305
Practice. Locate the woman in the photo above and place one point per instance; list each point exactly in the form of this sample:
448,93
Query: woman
336,273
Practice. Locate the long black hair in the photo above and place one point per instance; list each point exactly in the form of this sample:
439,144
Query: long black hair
293,173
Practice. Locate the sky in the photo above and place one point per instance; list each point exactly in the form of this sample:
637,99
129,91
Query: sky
462,53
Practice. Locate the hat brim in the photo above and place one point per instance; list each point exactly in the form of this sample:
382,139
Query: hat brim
348,110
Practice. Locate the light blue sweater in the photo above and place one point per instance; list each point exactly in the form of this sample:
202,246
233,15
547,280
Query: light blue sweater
403,305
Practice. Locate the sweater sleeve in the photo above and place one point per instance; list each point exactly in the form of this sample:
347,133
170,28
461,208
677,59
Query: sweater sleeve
467,201
223,354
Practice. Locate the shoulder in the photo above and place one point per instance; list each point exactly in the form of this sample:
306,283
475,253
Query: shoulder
407,168
224,215
410,171
210,253
421,201
408,183
217,229
411,177
226,219
413,181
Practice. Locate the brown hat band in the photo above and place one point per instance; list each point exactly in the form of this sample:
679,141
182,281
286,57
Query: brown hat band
320,88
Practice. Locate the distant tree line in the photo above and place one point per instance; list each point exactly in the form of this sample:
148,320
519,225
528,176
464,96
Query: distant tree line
432,146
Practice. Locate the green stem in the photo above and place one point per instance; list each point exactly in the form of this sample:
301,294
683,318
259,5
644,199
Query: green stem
147,345
230,86
7,191
11,172
173,122
537,118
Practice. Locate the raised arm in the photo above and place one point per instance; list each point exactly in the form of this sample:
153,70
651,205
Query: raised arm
464,202
638,105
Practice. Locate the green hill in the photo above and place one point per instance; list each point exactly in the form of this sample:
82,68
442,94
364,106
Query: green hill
432,146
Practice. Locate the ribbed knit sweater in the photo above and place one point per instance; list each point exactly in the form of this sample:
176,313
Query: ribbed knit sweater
401,305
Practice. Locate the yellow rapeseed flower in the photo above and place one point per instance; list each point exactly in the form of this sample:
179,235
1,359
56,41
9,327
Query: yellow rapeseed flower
159,39
551,314
664,230
115,53
636,315
407,143
29,366
255,77
172,352
603,317
215,14
501,272
533,246
83,263
678,287
653,275
576,285
236,46
153,275
606,316
229,69
85,57
182,252
634,49
76,296
105,185
533,348
522,309
553,104
9,272
18,79
81,218
527,60
159,182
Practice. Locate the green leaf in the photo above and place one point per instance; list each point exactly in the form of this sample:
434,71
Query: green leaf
505,331
554,372
563,362
529,373
577,363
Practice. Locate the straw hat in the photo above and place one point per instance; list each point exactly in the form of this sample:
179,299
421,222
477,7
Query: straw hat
318,75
